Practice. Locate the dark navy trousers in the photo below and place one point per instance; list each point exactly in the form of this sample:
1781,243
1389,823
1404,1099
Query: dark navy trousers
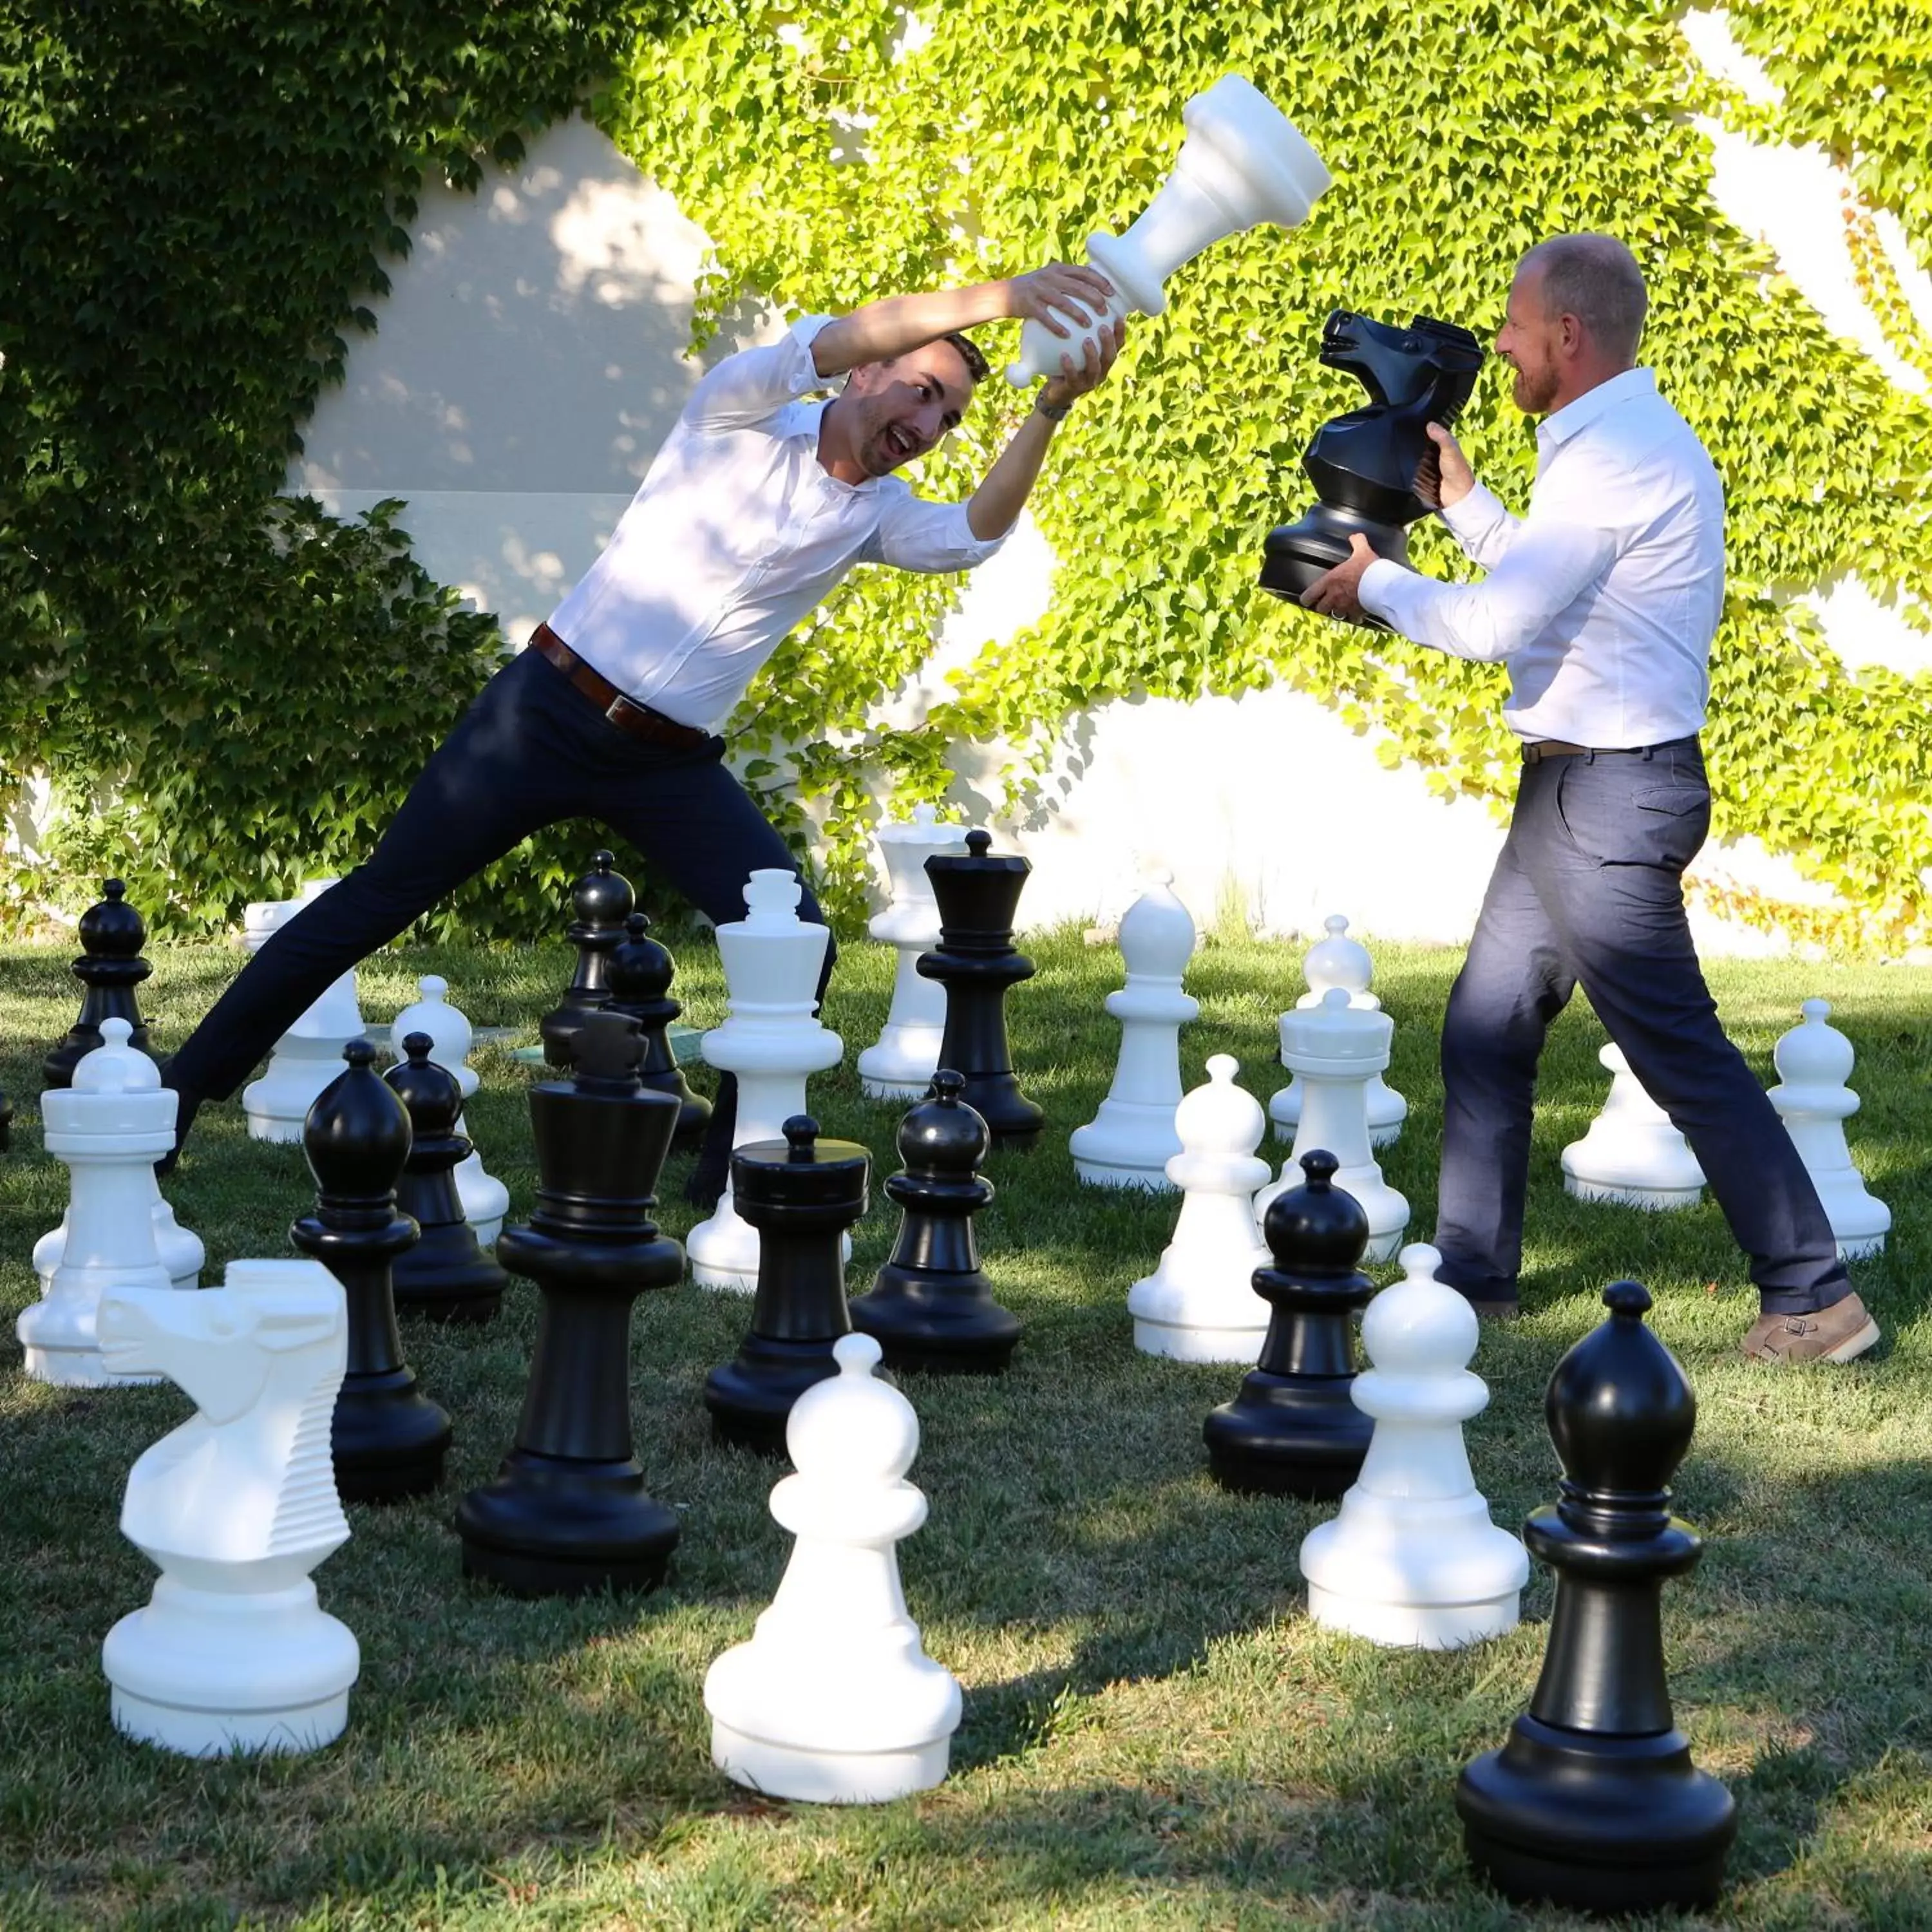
1587,892
530,750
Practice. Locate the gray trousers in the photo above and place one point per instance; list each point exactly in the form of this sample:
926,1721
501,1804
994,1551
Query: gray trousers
1587,892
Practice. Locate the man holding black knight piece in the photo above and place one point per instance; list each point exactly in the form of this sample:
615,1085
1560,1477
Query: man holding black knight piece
1603,602
757,505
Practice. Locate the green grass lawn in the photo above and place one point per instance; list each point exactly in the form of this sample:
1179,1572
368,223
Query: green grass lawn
1154,1733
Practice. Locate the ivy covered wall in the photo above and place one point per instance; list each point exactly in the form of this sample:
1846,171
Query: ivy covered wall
149,394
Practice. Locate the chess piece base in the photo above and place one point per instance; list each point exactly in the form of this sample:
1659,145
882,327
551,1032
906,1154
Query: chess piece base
554,1526
1603,1823
388,1439
208,1673
828,1777
1658,1200
1288,1436
751,1398
1295,555
63,1349
933,1330
1182,1342
446,1277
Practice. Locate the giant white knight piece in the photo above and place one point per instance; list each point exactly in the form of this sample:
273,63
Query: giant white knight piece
1340,961
900,1064
108,1128
1200,1305
1335,1049
771,1040
1242,164
1631,1154
834,1698
1128,1143
236,1507
484,1198
308,1057
1814,1061
1413,1559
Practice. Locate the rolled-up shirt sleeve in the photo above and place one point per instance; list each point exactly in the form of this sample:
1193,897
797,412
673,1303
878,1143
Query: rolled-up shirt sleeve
756,383
916,535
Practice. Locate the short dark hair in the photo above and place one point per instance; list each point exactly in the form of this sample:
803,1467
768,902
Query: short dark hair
977,367
1595,278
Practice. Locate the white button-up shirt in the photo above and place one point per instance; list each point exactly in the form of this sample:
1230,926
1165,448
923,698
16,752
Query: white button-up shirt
735,532
1604,600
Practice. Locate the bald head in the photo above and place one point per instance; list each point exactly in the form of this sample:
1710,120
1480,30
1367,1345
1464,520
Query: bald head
1595,278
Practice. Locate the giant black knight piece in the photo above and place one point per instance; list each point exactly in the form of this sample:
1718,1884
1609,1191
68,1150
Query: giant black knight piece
1363,464
1594,1802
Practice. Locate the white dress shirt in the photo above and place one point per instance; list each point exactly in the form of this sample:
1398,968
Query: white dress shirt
735,533
1604,600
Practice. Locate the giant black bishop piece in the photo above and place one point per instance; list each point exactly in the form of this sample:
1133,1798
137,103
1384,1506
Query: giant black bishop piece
388,1439
602,900
1594,1802
568,1511
978,895
1363,464
109,967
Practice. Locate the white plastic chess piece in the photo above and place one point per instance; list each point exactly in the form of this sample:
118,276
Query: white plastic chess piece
235,1508
1200,1305
900,1065
1335,1049
1128,1143
1242,162
1413,1558
181,1250
834,1699
308,1057
485,1200
1631,1154
771,1040
1814,1061
108,1127
1340,961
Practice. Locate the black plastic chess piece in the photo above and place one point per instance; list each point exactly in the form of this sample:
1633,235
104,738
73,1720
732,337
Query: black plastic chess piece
602,900
1363,464
445,1276
1594,1802
930,1307
6,1123
568,1511
110,968
639,974
1295,1430
975,961
388,1439
801,1193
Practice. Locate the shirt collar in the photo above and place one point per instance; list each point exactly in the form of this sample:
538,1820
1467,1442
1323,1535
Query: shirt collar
800,421
1555,430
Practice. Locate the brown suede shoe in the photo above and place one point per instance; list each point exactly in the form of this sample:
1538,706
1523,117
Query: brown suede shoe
1839,1333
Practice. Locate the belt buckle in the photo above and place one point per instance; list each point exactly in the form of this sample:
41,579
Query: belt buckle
618,704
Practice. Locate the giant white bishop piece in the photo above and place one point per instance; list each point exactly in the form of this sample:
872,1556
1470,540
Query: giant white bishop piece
1242,164
1814,1062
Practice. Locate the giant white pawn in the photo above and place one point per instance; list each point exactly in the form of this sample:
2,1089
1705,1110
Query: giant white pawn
1200,1305
771,1039
1335,1049
235,1508
1813,1062
1631,1154
900,1064
1128,1143
1340,961
308,1057
485,1199
834,1699
1413,1559
109,1127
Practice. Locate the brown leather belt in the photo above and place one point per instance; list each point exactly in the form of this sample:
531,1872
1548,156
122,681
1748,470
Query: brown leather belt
1535,750
639,720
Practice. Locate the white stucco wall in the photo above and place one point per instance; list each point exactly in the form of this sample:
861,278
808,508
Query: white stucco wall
531,356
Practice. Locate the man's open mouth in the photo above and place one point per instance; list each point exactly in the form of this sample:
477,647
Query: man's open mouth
898,444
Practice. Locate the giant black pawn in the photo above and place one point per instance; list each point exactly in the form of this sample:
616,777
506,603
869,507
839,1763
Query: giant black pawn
929,1306
602,900
110,967
801,1193
6,1121
387,1438
1593,1802
639,974
1295,1430
568,1511
975,961
445,1276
